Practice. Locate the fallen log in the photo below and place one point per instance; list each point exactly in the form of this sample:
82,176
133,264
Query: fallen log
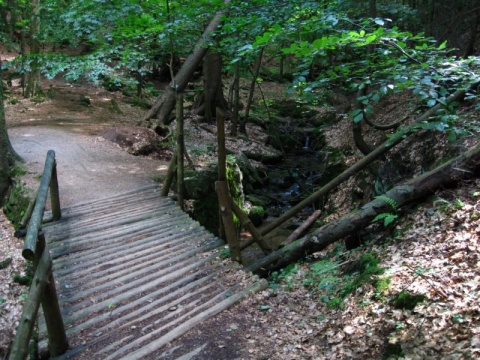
460,168
302,228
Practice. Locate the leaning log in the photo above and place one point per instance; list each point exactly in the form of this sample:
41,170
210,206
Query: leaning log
462,167
164,106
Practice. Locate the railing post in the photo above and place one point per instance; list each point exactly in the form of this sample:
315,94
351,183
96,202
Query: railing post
54,193
57,338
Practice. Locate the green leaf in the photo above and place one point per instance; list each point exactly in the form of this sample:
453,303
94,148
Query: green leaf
371,39
431,102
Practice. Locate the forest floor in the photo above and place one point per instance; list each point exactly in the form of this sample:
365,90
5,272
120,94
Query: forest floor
431,253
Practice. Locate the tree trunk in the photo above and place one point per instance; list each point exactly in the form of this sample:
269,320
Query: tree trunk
180,151
236,100
33,81
8,155
456,170
164,106
213,96
258,63
5,179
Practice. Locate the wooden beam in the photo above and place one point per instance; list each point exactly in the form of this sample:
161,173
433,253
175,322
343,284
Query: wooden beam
227,217
35,222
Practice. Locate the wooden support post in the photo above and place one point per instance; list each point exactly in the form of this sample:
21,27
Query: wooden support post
54,194
247,223
42,291
57,338
30,309
223,194
180,151
227,218
172,170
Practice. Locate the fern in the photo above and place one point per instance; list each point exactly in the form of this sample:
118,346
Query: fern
387,218
388,200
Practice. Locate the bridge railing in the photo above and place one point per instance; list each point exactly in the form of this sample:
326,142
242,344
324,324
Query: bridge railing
42,290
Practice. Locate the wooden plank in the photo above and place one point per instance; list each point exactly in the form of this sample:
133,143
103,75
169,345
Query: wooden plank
85,259
133,310
128,265
186,324
140,285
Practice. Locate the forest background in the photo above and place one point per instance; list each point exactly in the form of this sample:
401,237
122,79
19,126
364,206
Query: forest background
323,51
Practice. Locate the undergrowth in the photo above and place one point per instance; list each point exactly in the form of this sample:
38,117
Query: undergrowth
16,203
331,281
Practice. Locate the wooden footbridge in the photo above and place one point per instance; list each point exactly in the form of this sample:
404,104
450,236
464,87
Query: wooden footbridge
131,273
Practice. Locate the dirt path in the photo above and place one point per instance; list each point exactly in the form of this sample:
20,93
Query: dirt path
88,167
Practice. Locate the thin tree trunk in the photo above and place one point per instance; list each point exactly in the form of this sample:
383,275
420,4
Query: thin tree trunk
164,106
236,100
33,82
5,179
258,63
454,171
180,152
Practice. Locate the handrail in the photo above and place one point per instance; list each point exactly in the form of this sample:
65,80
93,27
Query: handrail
49,180
43,285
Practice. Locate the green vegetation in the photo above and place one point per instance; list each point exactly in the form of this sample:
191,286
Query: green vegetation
388,218
331,282
5,263
256,215
407,301
16,203
28,277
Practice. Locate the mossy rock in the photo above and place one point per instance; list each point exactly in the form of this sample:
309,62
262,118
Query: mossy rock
255,201
201,188
256,215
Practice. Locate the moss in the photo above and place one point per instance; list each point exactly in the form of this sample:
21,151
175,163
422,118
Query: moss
293,109
205,206
4,263
27,278
17,201
382,284
407,301
335,164
256,215
159,178
392,350
255,201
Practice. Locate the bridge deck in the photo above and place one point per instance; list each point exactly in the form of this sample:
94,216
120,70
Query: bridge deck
134,272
